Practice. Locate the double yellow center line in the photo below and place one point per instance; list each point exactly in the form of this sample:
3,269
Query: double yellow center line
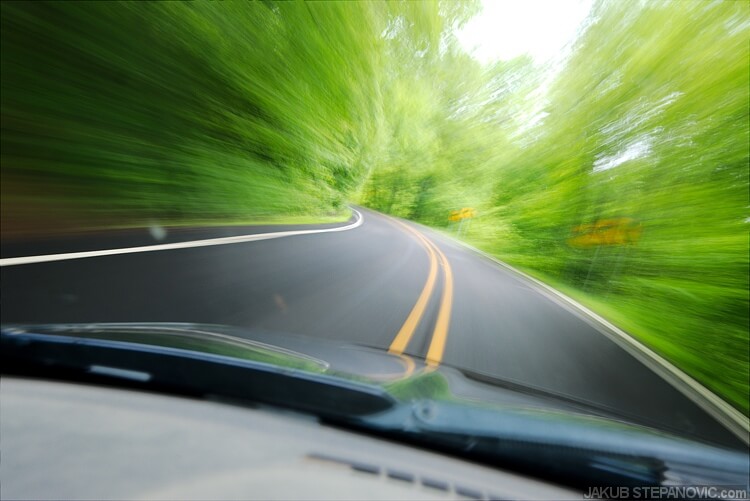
440,333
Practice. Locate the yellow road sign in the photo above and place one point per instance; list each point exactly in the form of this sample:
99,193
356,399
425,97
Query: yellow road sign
465,213
616,231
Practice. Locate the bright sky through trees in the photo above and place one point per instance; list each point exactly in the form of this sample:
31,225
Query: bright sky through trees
509,28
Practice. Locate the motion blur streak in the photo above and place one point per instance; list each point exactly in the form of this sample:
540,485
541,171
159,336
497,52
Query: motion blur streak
117,114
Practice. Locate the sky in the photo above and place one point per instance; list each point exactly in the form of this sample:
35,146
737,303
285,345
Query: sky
509,28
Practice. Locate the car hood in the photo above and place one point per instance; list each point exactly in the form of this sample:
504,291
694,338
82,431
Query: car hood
402,376
502,422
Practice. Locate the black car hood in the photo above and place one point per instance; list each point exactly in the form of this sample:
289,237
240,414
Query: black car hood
501,422
401,375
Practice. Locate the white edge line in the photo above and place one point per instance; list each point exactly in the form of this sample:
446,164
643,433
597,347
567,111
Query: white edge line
726,414
15,261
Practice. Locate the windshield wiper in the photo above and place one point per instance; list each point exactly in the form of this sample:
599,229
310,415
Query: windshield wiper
190,372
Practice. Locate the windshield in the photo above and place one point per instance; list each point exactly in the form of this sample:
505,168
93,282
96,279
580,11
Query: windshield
537,205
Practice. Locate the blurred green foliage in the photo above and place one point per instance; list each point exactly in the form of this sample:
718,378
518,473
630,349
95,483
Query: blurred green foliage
115,113
646,118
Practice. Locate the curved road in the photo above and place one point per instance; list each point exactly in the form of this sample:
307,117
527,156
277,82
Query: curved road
379,282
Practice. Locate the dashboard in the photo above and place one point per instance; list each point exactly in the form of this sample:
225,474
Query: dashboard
76,441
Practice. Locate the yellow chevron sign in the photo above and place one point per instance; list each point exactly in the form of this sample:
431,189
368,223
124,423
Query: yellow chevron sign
616,231
465,213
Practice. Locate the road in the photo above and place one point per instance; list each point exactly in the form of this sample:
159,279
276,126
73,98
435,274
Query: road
383,283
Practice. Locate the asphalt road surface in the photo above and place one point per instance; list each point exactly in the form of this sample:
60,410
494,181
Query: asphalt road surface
385,283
